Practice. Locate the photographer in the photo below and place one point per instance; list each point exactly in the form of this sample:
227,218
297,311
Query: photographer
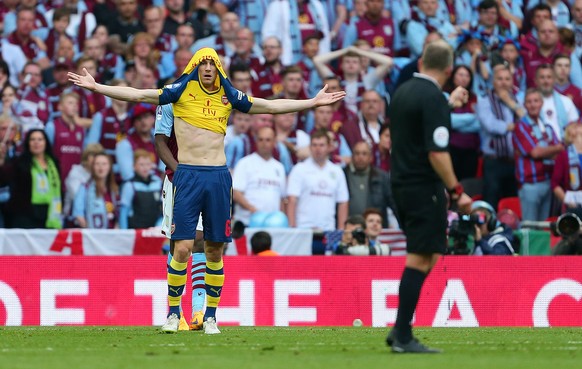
491,236
355,242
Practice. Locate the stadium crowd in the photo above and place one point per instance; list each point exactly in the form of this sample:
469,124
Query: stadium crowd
73,158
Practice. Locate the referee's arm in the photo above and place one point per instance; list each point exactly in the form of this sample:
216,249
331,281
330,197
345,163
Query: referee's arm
443,166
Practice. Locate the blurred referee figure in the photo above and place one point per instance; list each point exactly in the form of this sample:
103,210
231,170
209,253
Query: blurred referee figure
422,174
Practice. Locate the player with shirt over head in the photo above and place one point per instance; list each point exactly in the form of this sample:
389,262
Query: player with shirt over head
167,148
202,99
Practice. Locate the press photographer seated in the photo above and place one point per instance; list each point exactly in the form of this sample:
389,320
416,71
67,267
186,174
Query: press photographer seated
491,236
355,241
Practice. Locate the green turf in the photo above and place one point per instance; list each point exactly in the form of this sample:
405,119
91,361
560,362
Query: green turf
239,348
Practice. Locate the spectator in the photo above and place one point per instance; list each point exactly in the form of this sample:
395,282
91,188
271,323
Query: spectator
382,152
576,26
510,54
355,80
548,48
529,38
223,42
111,124
96,202
291,22
79,175
241,123
340,150
21,47
310,75
140,205
175,16
496,22
140,137
60,86
9,101
185,37
510,16
370,117
293,88
464,136
355,240
472,54
244,51
4,74
295,140
316,183
268,81
424,20
203,19
241,78
379,30
123,23
33,107
567,175
109,64
181,58
60,21
81,23
368,186
8,131
259,180
141,50
496,112
374,220
557,110
66,135
562,84
261,244
343,119
91,102
491,237
535,144
409,69
250,12
153,19
35,184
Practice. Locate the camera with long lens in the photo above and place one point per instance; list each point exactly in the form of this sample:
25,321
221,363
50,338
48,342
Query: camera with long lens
461,229
567,225
359,235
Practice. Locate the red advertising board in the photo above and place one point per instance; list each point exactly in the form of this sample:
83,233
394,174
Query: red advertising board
324,291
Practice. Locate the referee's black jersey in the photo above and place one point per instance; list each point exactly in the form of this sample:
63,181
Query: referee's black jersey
420,121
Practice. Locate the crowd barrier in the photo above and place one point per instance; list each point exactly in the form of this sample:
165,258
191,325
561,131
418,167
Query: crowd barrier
286,241
461,291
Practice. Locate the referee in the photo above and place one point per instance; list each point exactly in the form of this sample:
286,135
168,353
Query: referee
422,174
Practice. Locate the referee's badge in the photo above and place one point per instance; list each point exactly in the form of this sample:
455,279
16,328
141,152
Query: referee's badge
440,137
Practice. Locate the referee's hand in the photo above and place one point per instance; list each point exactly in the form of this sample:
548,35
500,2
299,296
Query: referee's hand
464,203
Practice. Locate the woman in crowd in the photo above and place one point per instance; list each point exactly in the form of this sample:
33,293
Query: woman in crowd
464,140
382,150
96,202
35,185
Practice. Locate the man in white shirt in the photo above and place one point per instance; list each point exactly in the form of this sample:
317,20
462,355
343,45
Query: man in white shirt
259,180
315,187
558,110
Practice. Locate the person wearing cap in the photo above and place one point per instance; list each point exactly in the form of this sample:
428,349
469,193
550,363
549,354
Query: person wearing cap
491,236
202,100
139,137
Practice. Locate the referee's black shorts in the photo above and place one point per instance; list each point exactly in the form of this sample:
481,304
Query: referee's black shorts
422,210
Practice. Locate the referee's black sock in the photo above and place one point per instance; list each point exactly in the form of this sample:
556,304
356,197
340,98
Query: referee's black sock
408,294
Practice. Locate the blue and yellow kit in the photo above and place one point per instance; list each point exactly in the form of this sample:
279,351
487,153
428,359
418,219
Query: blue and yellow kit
199,107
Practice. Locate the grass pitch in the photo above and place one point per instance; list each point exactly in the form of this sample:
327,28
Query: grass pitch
304,347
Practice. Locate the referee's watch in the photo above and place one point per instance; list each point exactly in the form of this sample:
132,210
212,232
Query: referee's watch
456,192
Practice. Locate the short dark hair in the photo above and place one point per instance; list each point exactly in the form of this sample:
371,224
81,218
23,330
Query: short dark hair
320,133
356,220
260,241
369,211
533,90
559,56
61,13
238,67
438,56
487,4
291,69
544,66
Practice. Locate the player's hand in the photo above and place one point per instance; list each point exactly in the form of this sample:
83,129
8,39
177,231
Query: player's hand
464,203
327,98
459,97
86,80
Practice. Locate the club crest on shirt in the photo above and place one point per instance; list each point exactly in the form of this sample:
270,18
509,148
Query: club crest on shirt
224,99
440,136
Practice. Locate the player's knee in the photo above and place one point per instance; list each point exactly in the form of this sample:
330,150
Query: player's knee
182,250
213,250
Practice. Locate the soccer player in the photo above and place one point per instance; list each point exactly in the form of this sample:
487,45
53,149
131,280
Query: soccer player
165,141
202,99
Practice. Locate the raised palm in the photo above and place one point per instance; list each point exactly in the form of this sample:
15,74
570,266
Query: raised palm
86,80
326,98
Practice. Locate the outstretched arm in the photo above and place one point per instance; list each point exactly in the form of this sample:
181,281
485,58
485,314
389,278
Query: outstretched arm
281,106
130,94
